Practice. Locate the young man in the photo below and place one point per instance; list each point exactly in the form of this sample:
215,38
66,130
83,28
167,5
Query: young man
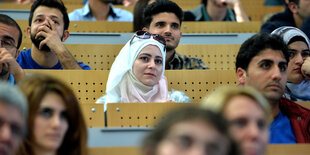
296,14
48,28
13,117
217,10
100,10
261,63
165,17
11,38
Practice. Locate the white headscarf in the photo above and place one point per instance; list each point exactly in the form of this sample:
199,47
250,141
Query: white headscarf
122,85
289,32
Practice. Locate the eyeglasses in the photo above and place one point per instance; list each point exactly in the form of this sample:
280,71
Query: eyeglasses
146,35
7,45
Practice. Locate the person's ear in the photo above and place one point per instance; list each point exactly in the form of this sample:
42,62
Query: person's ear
293,7
65,35
29,31
241,75
17,53
145,29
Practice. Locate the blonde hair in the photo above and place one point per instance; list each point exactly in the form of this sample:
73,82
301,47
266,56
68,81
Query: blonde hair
217,100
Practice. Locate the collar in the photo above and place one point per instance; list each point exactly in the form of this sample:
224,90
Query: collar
11,79
86,10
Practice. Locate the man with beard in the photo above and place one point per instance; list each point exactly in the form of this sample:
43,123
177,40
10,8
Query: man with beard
11,38
100,10
217,10
48,28
262,63
164,17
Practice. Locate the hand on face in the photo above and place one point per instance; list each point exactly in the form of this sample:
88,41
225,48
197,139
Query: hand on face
50,35
8,63
305,68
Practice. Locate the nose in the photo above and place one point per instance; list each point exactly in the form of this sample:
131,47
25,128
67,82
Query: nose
253,131
5,133
46,23
151,64
168,30
55,122
299,60
276,74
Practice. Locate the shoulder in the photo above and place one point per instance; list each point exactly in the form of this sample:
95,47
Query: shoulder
178,96
290,107
191,62
80,14
122,15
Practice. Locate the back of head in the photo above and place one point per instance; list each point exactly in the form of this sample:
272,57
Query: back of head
57,4
12,96
257,43
161,6
291,34
217,100
36,87
138,14
186,114
5,19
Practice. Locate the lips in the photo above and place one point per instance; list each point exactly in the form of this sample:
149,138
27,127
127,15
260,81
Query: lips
150,74
298,69
168,38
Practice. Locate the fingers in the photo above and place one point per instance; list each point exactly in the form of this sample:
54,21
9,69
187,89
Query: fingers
51,23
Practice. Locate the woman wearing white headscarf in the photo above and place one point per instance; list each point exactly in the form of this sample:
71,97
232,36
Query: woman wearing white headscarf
298,84
137,74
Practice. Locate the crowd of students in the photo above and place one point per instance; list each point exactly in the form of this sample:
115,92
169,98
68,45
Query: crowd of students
44,116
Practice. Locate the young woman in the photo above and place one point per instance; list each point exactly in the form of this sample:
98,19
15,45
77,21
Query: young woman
137,74
55,124
298,84
190,131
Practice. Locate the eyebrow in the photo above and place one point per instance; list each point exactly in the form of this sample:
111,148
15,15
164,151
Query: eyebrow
52,16
7,37
265,61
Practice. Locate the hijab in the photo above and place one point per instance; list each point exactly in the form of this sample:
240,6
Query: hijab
123,86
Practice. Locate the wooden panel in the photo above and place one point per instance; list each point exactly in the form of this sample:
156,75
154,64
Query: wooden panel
138,114
278,149
114,151
101,57
90,85
93,114
297,149
305,104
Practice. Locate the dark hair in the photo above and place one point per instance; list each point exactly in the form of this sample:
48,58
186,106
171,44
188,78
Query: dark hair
298,38
161,6
138,14
185,114
204,2
5,19
35,87
57,4
257,43
295,1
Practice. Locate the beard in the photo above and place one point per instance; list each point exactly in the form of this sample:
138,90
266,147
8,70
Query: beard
37,42
3,72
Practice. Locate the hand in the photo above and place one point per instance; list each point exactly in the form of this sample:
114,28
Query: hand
51,37
8,63
129,2
305,68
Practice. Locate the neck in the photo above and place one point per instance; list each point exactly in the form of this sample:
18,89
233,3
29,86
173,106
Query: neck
43,58
169,56
275,108
99,10
41,151
298,20
216,13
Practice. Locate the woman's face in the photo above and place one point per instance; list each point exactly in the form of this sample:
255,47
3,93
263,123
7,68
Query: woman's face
193,137
298,52
148,65
248,124
50,123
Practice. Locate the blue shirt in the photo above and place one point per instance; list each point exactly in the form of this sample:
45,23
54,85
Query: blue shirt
115,14
281,130
26,62
11,79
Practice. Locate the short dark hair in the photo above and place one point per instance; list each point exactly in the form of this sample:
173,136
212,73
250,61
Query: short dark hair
204,2
257,43
57,4
5,19
295,1
161,6
185,114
